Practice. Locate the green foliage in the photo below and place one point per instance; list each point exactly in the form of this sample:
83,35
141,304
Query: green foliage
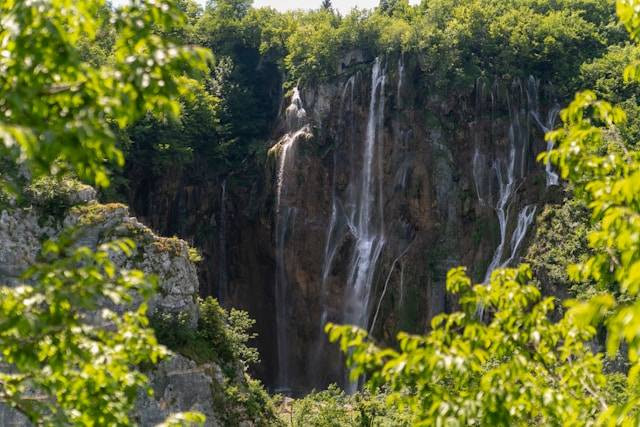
516,367
251,402
608,181
603,75
219,336
160,144
80,365
74,330
561,239
334,408
459,41
57,108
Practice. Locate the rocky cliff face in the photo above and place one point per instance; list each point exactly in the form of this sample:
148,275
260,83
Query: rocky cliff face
375,186
392,186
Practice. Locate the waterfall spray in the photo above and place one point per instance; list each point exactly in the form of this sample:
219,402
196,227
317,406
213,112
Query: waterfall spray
367,218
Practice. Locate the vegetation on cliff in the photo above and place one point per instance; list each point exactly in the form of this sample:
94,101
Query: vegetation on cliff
501,360
257,51
74,331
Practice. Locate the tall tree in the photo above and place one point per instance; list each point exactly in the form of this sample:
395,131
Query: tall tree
230,9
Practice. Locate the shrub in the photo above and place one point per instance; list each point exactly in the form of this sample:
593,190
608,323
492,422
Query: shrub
220,336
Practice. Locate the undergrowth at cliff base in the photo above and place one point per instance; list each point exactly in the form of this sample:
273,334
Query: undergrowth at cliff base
335,408
220,336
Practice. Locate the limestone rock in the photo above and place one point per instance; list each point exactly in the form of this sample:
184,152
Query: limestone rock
178,385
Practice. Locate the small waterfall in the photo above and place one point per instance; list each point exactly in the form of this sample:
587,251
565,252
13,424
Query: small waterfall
223,279
337,212
478,164
525,219
509,170
506,184
400,80
546,126
366,220
296,129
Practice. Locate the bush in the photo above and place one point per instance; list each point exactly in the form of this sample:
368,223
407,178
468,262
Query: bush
219,336
334,408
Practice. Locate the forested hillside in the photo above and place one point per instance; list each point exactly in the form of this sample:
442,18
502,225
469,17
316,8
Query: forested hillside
347,201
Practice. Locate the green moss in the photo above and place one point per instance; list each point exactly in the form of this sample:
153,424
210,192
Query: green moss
560,240
171,245
95,213
195,256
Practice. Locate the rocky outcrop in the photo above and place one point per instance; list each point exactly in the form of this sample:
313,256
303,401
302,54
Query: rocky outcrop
179,384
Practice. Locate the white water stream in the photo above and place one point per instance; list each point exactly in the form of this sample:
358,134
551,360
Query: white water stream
509,170
297,128
366,219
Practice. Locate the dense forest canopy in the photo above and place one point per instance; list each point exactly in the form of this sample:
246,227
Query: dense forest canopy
258,51
95,93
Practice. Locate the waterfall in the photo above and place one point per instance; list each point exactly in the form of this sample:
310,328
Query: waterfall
357,220
296,129
506,184
478,165
509,170
546,126
366,220
525,219
400,80
223,279
333,231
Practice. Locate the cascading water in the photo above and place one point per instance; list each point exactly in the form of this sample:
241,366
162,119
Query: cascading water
357,218
546,126
366,218
400,80
297,128
506,184
478,164
509,171
525,219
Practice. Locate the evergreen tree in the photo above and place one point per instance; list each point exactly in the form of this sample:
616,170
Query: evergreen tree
326,5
